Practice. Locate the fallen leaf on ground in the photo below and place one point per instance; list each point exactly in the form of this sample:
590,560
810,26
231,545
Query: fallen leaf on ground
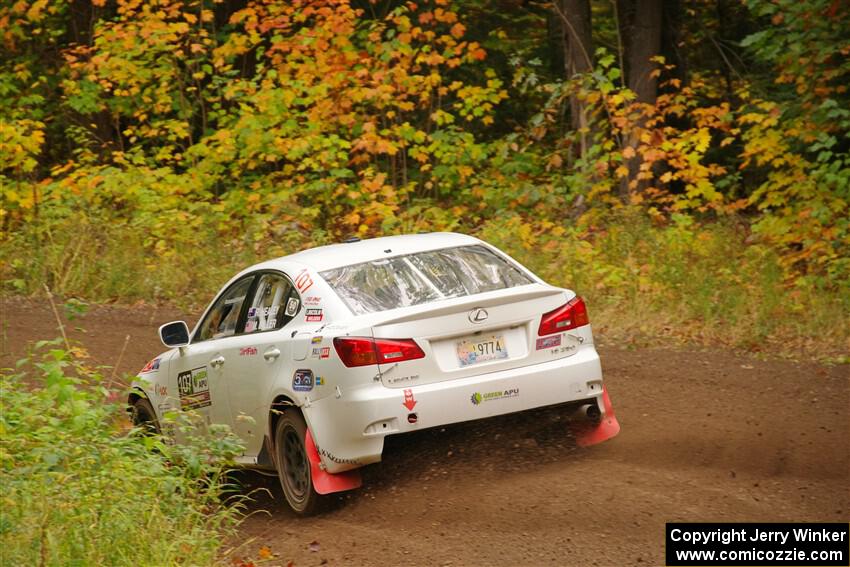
265,552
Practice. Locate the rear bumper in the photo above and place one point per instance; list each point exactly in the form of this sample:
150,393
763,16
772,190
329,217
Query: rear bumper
349,430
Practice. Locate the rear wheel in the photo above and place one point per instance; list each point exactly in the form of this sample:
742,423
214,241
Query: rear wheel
293,466
144,417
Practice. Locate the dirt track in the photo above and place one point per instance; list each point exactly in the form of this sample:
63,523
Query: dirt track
706,436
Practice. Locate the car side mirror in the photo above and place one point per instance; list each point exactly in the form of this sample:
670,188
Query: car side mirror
174,334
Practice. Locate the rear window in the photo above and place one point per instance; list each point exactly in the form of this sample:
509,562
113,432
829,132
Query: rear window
423,277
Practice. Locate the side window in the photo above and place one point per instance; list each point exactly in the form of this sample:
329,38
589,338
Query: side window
274,305
222,318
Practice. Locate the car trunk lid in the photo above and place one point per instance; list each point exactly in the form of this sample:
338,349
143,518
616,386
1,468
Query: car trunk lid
468,336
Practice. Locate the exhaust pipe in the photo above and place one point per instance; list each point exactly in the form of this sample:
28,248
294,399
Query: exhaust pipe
600,428
586,411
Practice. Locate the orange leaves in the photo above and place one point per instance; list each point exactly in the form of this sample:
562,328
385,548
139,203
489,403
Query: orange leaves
265,552
477,53
445,16
555,162
458,30
355,113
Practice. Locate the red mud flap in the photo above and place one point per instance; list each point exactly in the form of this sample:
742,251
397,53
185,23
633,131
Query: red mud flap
588,434
325,482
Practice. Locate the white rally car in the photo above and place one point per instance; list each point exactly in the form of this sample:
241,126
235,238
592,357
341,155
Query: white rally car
313,358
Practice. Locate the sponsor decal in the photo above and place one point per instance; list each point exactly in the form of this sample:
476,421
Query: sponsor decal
150,366
316,340
247,351
250,326
320,381
194,389
326,352
312,300
316,353
409,402
272,323
291,307
160,390
252,312
303,281
302,380
548,342
336,459
313,315
478,398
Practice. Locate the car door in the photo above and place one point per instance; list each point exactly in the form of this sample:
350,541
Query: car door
199,368
259,354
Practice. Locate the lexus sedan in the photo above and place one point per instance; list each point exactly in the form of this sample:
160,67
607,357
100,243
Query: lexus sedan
313,359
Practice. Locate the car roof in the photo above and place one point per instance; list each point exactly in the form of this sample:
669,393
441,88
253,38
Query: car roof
337,255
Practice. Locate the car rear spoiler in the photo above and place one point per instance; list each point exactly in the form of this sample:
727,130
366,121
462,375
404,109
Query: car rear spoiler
451,306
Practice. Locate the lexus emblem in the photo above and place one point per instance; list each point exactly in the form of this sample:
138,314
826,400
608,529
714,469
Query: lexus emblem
478,315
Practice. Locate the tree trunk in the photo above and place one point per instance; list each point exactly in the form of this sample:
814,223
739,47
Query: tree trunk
578,58
641,25
644,45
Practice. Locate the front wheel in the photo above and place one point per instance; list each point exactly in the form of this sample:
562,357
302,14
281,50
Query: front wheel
144,417
293,466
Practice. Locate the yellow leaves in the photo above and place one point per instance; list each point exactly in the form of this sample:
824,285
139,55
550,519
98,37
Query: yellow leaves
35,10
751,118
458,30
20,144
628,152
703,139
441,117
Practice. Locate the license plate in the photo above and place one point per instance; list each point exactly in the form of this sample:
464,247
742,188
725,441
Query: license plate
481,349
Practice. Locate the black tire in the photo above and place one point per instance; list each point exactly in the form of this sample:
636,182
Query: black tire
293,466
144,417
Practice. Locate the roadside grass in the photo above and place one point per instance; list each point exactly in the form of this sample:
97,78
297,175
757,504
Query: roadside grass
684,283
78,489
680,282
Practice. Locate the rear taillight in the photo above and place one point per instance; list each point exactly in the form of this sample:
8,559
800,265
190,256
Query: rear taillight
564,318
362,351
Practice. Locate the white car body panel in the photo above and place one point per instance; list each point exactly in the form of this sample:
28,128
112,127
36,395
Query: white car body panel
350,410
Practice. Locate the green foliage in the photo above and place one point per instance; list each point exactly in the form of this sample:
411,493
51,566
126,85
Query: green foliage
78,490
802,143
